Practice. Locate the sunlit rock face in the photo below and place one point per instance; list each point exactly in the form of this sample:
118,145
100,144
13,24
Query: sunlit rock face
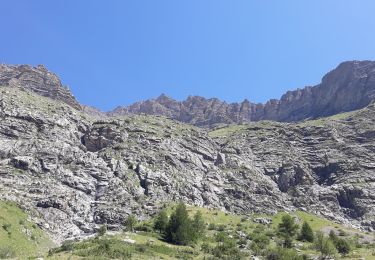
39,80
73,171
350,86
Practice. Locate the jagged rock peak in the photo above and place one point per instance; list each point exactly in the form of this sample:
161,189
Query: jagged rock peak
348,87
39,80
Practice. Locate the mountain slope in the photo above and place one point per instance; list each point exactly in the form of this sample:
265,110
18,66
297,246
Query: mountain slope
348,87
73,172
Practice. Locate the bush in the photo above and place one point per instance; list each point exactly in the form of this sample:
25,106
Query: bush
325,245
206,248
306,233
259,242
102,230
211,226
226,248
161,222
67,246
145,227
130,223
342,246
279,253
328,248
220,227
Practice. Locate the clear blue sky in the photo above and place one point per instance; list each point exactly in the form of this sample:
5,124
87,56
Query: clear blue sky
117,52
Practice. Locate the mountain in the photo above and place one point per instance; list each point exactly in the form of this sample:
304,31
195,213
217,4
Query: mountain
39,80
73,170
348,87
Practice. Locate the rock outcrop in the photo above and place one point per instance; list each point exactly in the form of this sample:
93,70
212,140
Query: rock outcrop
348,87
39,80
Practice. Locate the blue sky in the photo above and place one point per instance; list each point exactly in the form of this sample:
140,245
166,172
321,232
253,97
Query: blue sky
117,52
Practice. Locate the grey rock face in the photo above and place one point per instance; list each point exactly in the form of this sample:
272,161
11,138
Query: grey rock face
39,80
73,171
348,87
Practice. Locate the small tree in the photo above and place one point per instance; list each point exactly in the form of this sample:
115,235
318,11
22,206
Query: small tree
161,222
324,245
306,233
328,248
198,226
130,223
287,230
179,229
342,246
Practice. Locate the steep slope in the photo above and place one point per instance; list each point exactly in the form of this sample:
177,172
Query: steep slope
37,79
348,87
73,172
18,236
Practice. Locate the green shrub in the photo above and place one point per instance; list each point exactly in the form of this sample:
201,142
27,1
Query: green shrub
306,233
261,240
220,227
342,246
102,230
206,248
325,245
67,246
161,222
279,253
211,226
227,248
145,227
130,223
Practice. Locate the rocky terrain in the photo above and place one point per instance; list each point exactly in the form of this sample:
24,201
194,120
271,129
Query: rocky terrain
39,80
348,87
73,171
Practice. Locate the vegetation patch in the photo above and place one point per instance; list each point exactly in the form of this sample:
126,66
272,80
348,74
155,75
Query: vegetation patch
180,232
18,236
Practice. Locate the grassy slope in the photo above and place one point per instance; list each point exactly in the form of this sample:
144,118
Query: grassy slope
19,236
232,129
151,246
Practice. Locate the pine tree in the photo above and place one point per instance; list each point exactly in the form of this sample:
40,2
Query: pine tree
198,226
161,222
307,233
288,229
179,229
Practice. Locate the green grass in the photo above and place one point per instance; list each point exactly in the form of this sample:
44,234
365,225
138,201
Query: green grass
227,131
322,121
18,236
150,245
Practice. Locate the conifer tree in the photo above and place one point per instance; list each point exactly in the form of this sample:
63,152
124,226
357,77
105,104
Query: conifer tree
307,233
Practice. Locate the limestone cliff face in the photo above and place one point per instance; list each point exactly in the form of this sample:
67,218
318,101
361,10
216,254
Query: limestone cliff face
73,169
350,86
37,79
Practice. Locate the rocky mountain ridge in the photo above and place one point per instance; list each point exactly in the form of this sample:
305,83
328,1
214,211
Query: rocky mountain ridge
39,80
348,87
73,171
